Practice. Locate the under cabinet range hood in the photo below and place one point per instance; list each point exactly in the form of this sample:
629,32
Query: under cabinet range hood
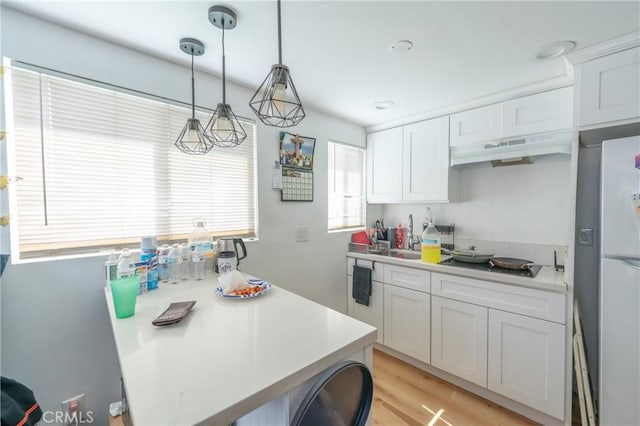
514,150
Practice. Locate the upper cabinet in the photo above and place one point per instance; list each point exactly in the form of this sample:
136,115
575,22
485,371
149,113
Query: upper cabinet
384,166
411,164
540,113
609,89
480,124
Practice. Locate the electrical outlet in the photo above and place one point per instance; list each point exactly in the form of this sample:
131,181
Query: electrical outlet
74,410
302,233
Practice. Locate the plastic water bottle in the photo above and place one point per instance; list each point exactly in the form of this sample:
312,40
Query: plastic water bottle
126,267
201,237
430,244
163,258
111,267
197,262
173,264
149,254
185,261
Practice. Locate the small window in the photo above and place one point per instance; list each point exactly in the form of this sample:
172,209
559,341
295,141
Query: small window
346,187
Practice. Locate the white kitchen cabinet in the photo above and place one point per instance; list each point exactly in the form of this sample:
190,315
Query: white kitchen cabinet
384,166
407,321
479,124
372,314
411,278
539,113
609,88
459,339
425,173
526,358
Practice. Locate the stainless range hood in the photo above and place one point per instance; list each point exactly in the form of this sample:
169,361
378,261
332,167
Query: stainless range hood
511,151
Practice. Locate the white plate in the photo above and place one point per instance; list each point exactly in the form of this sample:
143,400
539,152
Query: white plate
266,285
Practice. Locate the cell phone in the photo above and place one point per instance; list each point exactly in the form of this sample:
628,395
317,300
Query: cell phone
174,313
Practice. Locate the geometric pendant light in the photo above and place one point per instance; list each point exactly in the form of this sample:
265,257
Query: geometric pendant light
276,102
223,128
193,140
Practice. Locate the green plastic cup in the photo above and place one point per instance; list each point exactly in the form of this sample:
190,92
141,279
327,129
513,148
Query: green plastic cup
124,292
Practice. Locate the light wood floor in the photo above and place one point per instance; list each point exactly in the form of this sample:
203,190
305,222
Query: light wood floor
405,395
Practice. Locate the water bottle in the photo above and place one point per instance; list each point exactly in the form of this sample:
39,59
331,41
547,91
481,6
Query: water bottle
185,261
197,262
149,254
126,267
201,237
111,267
430,244
163,257
173,264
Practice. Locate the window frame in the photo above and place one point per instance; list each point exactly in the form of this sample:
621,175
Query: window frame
363,188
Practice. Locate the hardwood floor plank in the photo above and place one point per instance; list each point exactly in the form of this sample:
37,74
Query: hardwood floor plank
406,395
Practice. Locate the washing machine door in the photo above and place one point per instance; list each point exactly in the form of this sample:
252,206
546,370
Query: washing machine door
341,397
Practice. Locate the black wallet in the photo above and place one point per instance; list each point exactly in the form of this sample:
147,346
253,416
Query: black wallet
174,313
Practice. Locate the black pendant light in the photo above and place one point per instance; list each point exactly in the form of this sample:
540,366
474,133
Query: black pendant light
193,139
223,128
276,102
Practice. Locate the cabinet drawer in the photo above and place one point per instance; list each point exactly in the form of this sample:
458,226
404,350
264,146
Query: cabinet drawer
415,279
520,300
376,267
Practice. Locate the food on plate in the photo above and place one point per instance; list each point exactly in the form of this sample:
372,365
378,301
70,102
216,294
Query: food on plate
249,290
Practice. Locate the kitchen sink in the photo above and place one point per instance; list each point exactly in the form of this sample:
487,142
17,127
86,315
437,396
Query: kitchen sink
404,254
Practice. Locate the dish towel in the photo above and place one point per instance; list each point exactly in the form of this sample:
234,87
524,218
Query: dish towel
361,285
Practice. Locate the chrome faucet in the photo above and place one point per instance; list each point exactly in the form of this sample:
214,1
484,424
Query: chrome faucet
411,240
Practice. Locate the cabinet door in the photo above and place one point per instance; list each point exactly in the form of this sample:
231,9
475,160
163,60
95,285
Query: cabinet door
371,314
609,88
426,161
526,361
406,321
384,166
476,125
459,339
542,112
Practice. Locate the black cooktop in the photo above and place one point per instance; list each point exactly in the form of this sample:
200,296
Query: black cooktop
530,272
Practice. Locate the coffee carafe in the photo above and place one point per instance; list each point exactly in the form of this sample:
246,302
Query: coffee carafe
227,254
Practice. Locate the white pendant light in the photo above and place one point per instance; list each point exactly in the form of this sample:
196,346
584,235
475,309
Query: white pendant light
223,128
276,102
193,139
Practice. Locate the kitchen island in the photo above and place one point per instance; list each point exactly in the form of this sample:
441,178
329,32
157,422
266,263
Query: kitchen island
229,358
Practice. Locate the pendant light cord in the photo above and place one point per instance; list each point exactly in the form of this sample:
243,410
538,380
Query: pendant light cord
193,90
279,36
224,82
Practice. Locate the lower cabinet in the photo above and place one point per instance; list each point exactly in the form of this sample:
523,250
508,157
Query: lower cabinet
371,314
407,321
459,339
526,361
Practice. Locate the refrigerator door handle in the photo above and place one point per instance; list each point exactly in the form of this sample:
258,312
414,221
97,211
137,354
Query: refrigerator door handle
632,262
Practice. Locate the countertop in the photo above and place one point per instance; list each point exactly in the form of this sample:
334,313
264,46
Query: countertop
547,279
228,356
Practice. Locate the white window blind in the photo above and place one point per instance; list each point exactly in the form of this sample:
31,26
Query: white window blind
100,170
346,186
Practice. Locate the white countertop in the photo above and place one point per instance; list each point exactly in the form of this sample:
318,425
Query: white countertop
547,279
228,356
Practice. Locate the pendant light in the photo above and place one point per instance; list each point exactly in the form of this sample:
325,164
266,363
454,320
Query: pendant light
193,139
223,128
276,102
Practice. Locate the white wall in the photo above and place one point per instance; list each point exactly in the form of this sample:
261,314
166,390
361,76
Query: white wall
524,204
55,332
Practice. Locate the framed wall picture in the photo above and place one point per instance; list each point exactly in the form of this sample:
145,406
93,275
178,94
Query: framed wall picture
297,151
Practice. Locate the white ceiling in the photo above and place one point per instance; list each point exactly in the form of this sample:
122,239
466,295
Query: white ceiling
339,51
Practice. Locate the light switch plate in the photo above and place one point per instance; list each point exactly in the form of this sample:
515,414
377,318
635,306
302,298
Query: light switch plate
302,233
586,237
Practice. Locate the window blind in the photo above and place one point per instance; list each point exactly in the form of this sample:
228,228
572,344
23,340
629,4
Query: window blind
100,169
346,186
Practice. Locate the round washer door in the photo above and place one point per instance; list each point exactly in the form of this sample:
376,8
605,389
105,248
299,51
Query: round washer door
341,397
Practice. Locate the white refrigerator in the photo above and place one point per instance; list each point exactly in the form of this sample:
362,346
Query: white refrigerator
619,400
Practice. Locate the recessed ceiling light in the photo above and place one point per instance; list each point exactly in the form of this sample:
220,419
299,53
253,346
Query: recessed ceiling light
401,47
554,50
383,105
